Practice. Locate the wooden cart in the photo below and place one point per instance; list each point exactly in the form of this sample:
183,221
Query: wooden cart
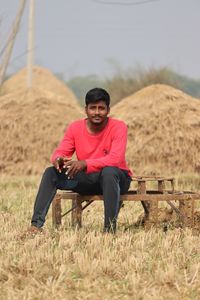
148,198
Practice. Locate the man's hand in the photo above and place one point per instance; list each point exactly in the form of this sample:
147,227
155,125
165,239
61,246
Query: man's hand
73,167
60,162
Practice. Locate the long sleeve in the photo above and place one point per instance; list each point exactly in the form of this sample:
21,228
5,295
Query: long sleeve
101,150
66,147
116,155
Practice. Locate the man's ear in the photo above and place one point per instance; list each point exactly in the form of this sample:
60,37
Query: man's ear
108,109
86,109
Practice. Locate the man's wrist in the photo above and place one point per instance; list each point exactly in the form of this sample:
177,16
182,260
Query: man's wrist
85,164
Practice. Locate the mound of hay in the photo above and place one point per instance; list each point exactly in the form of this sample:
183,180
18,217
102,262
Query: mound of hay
32,123
164,130
42,78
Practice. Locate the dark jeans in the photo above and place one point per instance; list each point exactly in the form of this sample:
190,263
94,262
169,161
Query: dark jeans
110,182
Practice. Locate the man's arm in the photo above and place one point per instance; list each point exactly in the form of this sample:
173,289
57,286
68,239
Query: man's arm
65,148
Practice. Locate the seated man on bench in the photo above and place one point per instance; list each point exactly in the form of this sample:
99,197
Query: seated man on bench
100,144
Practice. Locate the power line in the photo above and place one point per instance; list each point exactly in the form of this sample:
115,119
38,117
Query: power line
124,3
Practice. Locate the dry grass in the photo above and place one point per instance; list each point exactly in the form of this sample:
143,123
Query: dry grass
86,264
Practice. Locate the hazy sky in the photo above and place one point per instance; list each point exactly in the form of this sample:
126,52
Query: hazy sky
80,37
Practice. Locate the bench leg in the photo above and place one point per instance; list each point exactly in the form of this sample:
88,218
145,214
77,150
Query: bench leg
161,186
152,216
76,212
142,190
186,208
56,210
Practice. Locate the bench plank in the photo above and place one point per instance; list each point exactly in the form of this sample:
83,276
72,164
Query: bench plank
132,196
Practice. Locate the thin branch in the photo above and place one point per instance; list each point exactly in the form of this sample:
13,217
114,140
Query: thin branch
10,43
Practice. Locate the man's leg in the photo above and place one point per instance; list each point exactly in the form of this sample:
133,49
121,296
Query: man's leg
114,182
110,182
51,181
88,184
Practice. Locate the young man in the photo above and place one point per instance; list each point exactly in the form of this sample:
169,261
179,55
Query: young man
100,144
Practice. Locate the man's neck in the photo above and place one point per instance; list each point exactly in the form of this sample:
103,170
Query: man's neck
96,128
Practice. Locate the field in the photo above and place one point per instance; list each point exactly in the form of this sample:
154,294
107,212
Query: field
162,263
86,264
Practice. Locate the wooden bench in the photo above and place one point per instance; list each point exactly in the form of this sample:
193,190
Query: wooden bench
148,198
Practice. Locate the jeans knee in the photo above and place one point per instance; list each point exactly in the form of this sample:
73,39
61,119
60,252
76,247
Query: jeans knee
49,170
109,172
50,174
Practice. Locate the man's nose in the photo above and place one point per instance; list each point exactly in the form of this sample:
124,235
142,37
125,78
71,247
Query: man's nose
97,111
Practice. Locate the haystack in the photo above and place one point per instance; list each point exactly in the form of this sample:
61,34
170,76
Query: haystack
164,130
32,123
42,78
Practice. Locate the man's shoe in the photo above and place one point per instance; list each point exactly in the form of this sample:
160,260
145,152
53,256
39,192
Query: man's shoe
31,232
34,230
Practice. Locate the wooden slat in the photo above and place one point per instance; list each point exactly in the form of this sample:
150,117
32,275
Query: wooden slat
146,178
77,211
161,186
137,197
142,190
56,210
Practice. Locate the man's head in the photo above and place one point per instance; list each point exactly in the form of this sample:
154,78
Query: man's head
96,95
97,106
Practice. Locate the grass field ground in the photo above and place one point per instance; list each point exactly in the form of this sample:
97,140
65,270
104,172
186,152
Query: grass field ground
86,264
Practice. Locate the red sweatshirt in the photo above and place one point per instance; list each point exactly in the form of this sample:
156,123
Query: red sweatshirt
106,148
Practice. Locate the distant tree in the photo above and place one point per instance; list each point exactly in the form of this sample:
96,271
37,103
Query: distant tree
81,84
125,83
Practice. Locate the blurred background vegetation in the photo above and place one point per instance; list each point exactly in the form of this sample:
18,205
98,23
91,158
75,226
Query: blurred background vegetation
125,82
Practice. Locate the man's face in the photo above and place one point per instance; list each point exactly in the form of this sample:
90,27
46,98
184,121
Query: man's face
97,112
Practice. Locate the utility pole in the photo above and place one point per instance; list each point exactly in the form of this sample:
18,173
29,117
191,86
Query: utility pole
10,42
30,56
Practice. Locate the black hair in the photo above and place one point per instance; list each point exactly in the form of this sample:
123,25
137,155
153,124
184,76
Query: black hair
96,95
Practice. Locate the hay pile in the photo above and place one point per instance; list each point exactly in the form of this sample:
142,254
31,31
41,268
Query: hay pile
164,130
42,78
32,123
